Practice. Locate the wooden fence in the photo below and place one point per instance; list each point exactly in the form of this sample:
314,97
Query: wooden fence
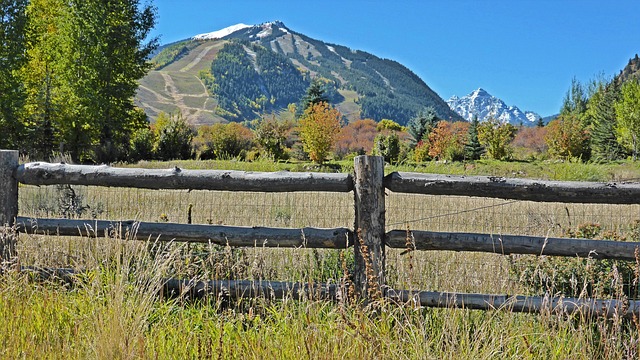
368,184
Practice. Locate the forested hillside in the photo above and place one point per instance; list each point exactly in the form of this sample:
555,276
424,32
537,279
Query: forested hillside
249,79
266,67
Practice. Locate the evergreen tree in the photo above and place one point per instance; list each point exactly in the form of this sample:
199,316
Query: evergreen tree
421,125
12,57
316,94
604,142
575,100
540,122
472,148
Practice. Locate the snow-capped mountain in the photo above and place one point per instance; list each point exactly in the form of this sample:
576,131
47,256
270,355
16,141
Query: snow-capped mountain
219,34
484,105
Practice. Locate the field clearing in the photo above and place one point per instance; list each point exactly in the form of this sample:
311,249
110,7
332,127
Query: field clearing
128,321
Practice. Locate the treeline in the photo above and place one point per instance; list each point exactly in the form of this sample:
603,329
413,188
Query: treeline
68,74
600,121
249,79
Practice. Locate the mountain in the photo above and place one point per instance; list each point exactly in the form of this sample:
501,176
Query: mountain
484,105
242,71
631,71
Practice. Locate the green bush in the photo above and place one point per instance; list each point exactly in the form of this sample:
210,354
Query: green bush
576,276
174,140
387,146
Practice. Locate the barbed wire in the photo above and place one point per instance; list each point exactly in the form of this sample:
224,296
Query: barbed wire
453,213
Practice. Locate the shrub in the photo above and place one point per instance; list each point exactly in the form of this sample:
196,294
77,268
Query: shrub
271,136
356,137
387,146
143,142
575,276
496,137
220,141
567,138
174,139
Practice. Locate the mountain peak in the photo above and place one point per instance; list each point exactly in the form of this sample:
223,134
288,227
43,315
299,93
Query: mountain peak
479,102
221,33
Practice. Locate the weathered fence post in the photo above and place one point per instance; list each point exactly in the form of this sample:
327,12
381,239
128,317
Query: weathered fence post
369,226
8,204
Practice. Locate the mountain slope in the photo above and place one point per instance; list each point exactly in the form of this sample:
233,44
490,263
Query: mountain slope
262,68
482,104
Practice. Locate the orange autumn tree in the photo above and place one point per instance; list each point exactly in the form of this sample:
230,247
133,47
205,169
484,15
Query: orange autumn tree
319,128
446,141
356,137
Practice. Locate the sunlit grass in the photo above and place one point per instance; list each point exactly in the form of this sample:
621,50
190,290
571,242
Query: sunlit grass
114,311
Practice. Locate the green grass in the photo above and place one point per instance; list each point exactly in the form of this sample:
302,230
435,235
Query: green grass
113,312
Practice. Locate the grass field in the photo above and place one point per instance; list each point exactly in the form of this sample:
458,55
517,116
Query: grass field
113,311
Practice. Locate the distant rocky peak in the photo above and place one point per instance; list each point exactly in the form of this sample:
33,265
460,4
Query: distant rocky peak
484,105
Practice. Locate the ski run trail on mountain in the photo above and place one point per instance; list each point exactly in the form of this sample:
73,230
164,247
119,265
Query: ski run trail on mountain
191,114
198,58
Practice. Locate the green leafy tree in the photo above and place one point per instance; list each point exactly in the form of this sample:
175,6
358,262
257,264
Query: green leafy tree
271,135
421,125
628,115
496,137
110,54
386,124
143,143
12,57
473,150
174,139
51,102
319,128
220,141
567,137
387,146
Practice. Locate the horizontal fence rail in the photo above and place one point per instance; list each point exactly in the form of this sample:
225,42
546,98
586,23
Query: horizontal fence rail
235,236
514,189
368,184
229,180
513,244
518,303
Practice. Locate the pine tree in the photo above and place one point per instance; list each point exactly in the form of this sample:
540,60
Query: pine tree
315,94
472,148
540,122
421,125
604,142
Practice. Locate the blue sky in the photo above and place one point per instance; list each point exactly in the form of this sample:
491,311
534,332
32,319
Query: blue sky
524,52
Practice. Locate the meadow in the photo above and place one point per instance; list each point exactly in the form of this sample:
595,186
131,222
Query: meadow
113,309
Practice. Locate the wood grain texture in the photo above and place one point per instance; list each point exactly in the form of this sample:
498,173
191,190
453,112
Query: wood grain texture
516,189
229,180
515,244
235,236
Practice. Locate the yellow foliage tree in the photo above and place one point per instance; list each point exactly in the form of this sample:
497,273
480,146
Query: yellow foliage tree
319,128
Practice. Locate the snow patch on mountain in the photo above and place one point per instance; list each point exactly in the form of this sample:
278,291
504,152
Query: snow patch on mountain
221,33
484,105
